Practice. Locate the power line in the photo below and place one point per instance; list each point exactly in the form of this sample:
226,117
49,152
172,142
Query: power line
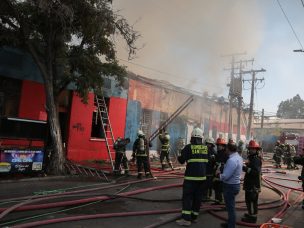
287,19
166,73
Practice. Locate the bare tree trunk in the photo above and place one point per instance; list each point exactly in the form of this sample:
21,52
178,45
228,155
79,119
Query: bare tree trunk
57,156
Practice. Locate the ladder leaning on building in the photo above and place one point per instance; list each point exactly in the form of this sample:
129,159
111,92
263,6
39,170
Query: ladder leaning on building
106,126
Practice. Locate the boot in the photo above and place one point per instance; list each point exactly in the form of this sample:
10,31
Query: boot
183,222
250,218
171,166
139,176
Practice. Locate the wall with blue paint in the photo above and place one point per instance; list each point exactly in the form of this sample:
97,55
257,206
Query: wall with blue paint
177,129
19,65
154,126
132,121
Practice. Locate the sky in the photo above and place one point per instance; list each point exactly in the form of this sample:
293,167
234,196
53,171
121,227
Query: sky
185,42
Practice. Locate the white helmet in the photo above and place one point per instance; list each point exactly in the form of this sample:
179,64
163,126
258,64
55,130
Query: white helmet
197,132
167,136
210,140
140,133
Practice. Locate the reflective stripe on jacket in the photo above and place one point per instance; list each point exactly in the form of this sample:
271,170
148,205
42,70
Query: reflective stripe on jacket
196,157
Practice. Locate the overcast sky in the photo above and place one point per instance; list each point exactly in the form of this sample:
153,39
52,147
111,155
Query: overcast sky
185,40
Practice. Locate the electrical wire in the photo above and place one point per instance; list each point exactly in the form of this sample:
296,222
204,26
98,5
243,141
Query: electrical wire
169,74
287,19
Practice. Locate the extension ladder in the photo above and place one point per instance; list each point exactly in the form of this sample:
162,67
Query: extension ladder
81,170
171,118
106,126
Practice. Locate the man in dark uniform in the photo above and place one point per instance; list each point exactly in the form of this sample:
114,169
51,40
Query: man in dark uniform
288,157
220,159
252,181
195,155
164,138
210,168
277,154
299,160
141,152
120,155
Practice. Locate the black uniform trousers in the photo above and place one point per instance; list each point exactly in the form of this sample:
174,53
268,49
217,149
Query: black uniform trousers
218,190
163,155
251,199
192,197
142,161
207,193
121,158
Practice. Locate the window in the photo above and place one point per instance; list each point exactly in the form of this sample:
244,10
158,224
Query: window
146,121
97,129
14,128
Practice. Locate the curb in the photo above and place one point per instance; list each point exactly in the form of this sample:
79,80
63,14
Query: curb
35,179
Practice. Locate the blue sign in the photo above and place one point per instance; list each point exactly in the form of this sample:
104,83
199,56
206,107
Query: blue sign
17,160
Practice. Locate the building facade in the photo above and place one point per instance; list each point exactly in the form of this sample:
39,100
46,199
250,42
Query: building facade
142,104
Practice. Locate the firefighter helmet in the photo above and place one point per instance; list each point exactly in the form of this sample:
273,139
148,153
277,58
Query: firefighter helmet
220,141
140,133
167,136
197,132
210,140
253,144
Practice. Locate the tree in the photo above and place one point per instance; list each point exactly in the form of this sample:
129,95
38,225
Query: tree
70,41
291,108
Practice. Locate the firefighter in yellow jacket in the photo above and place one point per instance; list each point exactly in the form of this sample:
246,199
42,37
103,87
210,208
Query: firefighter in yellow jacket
164,138
195,155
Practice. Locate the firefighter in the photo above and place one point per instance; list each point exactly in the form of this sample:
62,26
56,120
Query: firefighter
277,154
195,155
252,181
164,138
299,160
141,153
120,155
293,153
210,168
287,156
220,159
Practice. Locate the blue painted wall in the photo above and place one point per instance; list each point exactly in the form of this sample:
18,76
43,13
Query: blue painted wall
132,121
176,129
19,65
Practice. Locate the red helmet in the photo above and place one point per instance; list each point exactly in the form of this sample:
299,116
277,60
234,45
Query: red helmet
253,144
220,141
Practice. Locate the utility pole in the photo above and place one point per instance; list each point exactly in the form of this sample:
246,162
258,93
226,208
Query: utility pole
232,94
253,80
262,120
240,98
235,93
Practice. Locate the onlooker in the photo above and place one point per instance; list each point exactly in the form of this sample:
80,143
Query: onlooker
231,178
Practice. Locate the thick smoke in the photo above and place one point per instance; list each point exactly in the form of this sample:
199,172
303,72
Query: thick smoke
187,38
